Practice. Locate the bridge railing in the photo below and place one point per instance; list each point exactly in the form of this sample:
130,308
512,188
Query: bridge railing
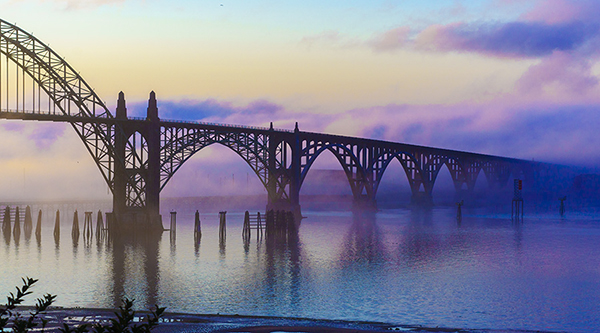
215,124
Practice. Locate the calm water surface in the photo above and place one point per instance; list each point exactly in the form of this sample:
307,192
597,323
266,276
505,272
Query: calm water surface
396,266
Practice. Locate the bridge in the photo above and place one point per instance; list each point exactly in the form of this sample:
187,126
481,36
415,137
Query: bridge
138,156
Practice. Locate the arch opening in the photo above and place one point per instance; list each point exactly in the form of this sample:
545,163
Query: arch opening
136,154
214,178
394,188
444,191
326,185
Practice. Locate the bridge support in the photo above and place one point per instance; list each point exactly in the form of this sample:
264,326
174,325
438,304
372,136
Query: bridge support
137,181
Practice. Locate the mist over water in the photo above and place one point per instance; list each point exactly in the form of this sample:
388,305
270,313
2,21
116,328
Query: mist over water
398,266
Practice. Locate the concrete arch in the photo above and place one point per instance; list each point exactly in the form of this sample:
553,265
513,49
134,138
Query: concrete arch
456,169
389,159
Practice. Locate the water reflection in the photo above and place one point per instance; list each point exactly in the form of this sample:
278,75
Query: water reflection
283,267
407,267
363,241
134,267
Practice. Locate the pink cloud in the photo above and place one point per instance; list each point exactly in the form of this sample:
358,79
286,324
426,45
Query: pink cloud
555,11
569,71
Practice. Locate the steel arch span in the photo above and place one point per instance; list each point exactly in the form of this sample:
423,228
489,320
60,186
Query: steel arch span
138,156
69,99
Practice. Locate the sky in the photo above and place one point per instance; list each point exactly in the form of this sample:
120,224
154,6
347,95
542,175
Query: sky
501,77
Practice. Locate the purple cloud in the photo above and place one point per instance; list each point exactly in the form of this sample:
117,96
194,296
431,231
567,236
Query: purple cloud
45,136
208,110
572,73
550,26
512,39
561,134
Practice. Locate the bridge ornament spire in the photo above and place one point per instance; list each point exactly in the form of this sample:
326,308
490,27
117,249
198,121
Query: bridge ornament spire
138,156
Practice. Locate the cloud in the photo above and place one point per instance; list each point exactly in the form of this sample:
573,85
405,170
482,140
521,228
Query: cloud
390,40
550,26
569,73
81,4
259,113
512,39
43,136
505,126
562,11
560,134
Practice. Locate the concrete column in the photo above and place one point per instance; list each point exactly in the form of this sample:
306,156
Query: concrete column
153,176
120,177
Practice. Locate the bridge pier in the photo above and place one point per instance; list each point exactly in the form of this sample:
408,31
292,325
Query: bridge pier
136,196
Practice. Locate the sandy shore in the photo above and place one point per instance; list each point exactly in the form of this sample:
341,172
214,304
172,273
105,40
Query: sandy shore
182,322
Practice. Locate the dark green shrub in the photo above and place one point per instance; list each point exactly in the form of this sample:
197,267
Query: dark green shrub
10,317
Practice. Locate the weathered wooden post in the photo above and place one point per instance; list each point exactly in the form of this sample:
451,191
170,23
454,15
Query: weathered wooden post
75,228
57,227
246,227
562,206
38,226
197,227
459,211
173,221
173,228
17,227
6,228
28,224
222,225
259,226
99,225
87,225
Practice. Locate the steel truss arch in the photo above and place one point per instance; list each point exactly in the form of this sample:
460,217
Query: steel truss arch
91,119
178,147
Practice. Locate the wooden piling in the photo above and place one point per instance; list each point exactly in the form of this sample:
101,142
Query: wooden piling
222,225
75,228
99,225
173,221
6,227
17,227
246,227
259,226
459,211
28,224
561,210
38,226
57,226
87,225
197,227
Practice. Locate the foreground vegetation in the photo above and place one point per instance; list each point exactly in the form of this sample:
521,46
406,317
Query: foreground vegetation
13,319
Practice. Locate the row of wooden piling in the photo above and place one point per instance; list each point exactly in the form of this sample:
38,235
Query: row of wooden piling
7,224
27,224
